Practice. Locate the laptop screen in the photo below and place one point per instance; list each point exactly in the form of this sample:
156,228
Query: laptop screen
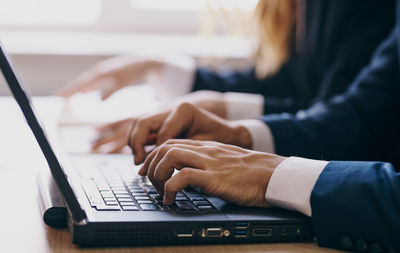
24,102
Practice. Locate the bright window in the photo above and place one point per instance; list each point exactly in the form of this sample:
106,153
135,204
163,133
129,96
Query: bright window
150,16
49,12
194,5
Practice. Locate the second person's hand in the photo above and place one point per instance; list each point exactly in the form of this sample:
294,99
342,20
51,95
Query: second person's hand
185,121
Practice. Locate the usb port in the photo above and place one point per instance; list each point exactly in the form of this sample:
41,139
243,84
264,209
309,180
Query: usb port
184,233
241,233
241,224
262,231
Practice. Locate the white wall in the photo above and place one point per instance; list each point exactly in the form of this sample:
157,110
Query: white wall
46,61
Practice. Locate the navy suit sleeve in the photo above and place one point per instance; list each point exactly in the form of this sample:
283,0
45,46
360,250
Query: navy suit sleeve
360,202
361,124
278,90
275,86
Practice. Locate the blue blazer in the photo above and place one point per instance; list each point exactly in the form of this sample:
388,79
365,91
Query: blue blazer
338,39
355,205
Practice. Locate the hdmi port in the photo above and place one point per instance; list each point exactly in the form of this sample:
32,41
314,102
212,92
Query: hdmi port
262,231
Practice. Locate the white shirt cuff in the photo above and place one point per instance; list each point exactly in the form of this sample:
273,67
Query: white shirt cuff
292,182
261,135
243,105
176,77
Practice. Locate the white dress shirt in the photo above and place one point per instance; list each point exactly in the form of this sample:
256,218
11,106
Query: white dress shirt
292,182
177,79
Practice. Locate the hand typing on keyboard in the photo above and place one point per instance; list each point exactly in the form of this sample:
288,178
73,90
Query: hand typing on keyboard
232,173
185,121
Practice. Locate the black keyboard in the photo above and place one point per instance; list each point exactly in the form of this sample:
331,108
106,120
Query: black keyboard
113,185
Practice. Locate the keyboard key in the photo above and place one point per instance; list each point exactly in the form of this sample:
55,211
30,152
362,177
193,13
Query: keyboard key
141,193
130,208
122,195
201,203
120,192
206,208
148,207
180,194
151,189
138,192
107,195
109,198
127,204
195,195
185,205
107,208
144,202
125,200
181,198
134,187
119,188
111,203
142,198
117,185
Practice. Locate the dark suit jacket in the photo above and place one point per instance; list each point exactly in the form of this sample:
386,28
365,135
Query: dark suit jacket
354,204
339,37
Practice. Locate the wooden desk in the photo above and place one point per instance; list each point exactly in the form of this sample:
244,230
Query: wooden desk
22,229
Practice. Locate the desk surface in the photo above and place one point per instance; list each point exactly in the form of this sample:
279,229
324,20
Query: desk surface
22,229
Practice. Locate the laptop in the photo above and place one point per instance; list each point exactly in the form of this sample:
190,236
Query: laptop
109,204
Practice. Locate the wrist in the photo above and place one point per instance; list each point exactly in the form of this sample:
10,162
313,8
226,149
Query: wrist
264,165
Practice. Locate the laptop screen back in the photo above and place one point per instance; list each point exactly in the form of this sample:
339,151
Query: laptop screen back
24,102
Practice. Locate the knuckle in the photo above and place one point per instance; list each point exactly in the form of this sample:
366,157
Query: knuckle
164,149
185,106
170,142
185,173
172,153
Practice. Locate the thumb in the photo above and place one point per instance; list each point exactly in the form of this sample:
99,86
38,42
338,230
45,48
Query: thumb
177,122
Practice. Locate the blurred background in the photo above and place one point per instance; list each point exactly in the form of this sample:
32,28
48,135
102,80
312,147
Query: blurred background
51,41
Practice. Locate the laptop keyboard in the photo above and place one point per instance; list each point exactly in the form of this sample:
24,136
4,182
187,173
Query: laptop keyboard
113,185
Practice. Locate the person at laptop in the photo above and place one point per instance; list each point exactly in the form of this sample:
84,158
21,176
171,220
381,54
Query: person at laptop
353,205
300,59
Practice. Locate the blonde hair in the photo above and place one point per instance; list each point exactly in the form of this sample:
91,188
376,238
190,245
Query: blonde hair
269,27
275,20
